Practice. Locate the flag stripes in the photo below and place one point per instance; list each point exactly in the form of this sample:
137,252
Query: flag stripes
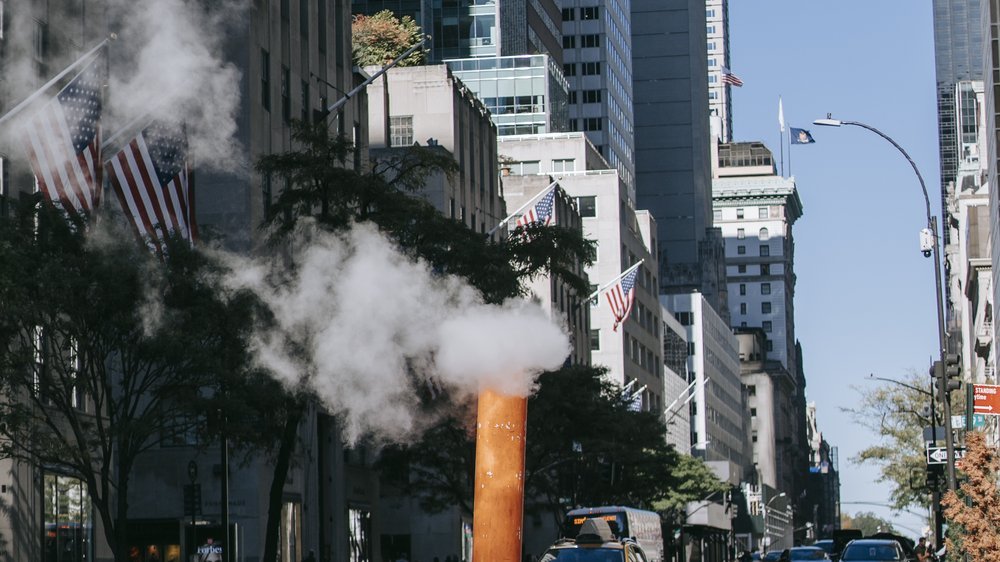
151,179
63,141
621,297
542,212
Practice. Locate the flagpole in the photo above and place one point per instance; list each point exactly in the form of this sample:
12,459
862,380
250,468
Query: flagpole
598,292
537,196
683,392
781,135
53,81
688,399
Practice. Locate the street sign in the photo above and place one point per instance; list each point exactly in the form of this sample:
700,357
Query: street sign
958,422
986,399
939,455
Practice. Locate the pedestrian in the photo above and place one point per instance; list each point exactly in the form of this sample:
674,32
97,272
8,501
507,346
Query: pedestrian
922,551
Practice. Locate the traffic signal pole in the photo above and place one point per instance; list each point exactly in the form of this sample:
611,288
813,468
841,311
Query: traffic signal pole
949,439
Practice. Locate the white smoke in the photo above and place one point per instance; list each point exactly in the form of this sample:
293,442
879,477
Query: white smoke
369,326
168,63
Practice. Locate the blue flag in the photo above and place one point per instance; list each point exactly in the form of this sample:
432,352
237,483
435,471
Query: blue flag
800,136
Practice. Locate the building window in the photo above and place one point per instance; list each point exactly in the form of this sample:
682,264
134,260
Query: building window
569,69
265,79
569,14
765,269
717,214
710,29
68,519
591,69
528,168
401,130
286,99
593,124
743,308
739,213
266,193
595,340
741,250
587,206
590,41
741,233
764,234
321,28
590,13
360,529
770,345
765,288
765,250
591,96
765,307
742,268
753,412
569,41
766,324
762,212
564,165
290,532
304,18
751,390
711,62
743,289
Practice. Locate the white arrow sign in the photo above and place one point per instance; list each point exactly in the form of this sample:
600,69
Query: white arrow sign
985,408
939,455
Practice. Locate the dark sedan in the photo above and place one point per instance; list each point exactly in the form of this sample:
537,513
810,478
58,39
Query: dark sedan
872,550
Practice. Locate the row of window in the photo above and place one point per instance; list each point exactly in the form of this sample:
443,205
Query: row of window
586,13
586,68
588,41
532,167
765,289
765,269
762,234
741,213
765,250
765,308
586,96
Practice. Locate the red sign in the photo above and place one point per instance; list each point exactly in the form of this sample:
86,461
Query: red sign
986,399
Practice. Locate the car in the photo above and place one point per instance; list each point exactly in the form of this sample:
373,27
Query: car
872,550
595,543
808,553
771,556
825,544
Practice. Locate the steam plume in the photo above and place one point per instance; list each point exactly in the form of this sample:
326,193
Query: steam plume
371,325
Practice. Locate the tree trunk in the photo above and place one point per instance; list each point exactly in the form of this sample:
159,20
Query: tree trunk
281,466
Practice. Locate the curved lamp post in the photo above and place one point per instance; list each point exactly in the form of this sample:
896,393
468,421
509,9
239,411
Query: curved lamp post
942,341
767,529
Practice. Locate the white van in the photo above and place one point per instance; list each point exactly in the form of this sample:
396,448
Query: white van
625,522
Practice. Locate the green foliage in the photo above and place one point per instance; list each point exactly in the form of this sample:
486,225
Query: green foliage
584,447
896,413
102,348
866,522
378,39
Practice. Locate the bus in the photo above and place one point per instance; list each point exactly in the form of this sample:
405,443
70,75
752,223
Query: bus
643,526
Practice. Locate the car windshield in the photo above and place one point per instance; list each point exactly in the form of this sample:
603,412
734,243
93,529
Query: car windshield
808,554
871,552
584,555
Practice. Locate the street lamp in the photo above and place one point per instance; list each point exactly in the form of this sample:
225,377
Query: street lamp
767,528
936,243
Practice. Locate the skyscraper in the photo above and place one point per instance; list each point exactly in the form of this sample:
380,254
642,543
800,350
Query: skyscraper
597,50
720,101
958,56
672,138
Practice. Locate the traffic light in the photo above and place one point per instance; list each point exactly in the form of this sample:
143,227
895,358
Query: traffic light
949,373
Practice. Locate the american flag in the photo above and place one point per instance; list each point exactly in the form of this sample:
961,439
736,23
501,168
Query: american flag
64,143
151,178
543,211
621,297
730,78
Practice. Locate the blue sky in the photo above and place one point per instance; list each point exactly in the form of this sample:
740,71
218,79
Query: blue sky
865,295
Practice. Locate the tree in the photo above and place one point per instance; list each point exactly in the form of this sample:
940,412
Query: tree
379,39
102,348
972,512
897,412
324,192
866,522
584,447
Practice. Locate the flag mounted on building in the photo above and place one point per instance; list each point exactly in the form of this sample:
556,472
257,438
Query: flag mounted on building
63,141
151,178
731,79
621,296
799,136
543,212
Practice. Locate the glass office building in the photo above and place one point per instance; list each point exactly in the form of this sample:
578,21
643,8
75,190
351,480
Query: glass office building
526,95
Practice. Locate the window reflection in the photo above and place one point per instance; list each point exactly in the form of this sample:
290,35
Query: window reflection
68,519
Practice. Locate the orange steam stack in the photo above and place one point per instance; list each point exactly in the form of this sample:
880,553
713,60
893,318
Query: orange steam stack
499,498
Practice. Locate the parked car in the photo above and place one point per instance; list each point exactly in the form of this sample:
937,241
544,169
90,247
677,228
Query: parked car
826,545
808,553
872,550
595,543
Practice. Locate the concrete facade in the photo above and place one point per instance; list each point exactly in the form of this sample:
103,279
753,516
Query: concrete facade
624,236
